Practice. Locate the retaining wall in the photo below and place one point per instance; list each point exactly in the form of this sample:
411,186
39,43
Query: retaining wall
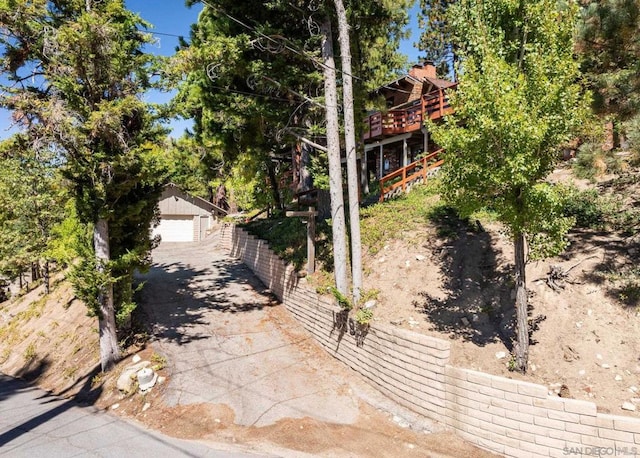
510,417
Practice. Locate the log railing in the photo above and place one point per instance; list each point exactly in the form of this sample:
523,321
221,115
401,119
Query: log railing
403,178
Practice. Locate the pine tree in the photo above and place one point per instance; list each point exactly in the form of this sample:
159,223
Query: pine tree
31,197
609,45
75,72
436,39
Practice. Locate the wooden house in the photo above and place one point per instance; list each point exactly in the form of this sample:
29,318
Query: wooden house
396,136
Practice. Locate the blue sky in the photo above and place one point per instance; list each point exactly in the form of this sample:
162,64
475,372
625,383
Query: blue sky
172,17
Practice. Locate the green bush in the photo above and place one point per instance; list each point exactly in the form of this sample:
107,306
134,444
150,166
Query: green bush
592,161
585,207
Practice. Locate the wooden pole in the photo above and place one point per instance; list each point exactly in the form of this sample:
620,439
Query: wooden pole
311,241
311,235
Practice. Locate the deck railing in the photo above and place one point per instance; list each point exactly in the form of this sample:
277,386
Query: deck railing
405,177
433,105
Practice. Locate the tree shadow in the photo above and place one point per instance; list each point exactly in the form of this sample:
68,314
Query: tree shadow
616,267
476,305
177,298
88,394
33,369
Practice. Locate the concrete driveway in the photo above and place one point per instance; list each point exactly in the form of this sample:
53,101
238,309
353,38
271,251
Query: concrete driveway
241,369
229,342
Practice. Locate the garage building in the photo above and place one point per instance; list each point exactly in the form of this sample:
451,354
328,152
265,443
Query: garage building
183,217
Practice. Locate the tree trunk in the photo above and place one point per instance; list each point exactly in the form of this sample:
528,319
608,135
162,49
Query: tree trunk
109,351
338,226
350,144
274,185
46,277
522,328
306,181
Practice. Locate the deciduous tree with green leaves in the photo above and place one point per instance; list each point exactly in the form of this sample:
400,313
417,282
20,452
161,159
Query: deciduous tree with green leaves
518,101
74,73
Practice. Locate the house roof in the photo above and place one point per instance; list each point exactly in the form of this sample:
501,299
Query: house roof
199,201
405,78
439,83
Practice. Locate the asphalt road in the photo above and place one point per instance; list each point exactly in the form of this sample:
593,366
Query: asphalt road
34,423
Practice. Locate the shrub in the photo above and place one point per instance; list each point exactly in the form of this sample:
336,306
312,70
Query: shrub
585,207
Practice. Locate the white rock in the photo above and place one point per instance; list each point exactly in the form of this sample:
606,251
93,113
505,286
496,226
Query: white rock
161,380
629,406
633,389
115,406
475,317
465,321
501,354
407,263
589,312
599,356
618,378
370,304
382,259
419,257
582,372
126,381
579,324
533,367
605,366
146,406
217,420
635,400
136,359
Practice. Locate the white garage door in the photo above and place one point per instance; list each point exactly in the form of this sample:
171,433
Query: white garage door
175,229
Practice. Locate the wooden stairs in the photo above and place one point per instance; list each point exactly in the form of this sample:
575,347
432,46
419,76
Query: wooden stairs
403,179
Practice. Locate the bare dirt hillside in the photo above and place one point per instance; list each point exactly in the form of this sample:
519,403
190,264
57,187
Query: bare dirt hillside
585,315
49,339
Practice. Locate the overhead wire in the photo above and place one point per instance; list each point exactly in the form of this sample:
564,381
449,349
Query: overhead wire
287,46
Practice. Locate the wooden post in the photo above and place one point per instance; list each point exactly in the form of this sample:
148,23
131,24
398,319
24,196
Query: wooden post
311,236
311,242
424,169
404,179
441,95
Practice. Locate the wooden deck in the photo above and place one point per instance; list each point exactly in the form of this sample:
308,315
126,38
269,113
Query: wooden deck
433,105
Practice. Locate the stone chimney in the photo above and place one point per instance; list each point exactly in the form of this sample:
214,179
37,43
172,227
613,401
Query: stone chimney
423,70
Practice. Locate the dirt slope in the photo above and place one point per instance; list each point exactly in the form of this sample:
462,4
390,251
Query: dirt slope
586,329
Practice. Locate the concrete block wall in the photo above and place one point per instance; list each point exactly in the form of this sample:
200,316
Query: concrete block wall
520,419
510,417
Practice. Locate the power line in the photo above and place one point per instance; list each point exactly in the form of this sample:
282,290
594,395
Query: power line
271,39
290,47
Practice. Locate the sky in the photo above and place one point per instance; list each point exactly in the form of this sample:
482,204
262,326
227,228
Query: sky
171,18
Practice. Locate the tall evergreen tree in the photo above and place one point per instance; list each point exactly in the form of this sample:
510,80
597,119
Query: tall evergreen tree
31,201
436,39
609,45
75,72
255,80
